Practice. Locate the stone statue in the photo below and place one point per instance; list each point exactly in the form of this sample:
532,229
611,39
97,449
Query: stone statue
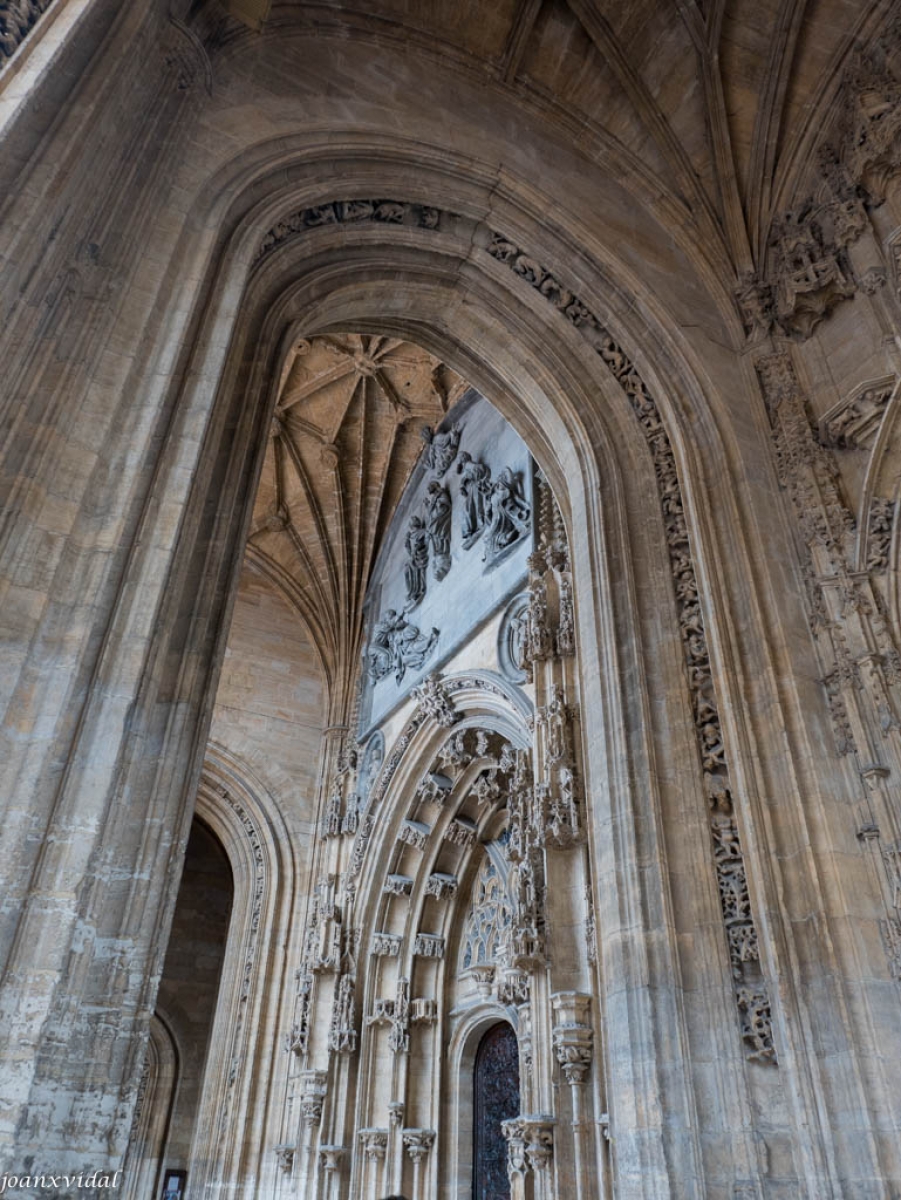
441,448
438,520
417,547
396,645
507,514
475,485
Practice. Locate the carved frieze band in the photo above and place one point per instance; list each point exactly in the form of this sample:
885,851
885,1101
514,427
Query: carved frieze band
751,992
351,212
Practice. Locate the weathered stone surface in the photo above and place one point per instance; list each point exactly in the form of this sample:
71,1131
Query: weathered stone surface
246,252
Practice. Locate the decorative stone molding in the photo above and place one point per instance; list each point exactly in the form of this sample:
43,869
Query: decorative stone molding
418,1142
757,1026
483,977
428,945
414,833
890,928
374,1142
382,1013
756,304
330,1157
342,1038
538,1135
808,264
386,945
285,1155
423,1011
312,1096
351,212
399,1036
441,886
397,885
854,422
560,788
517,1163
880,523
460,832
710,740
513,987
842,732
298,1038
434,701
511,639
865,153
572,1035
591,940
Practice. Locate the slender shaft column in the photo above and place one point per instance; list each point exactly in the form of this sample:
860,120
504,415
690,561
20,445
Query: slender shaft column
417,1143
572,1040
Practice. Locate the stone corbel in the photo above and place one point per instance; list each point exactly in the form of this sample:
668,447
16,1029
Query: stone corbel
417,1143
285,1155
572,1035
538,1135
517,1163
374,1143
312,1096
330,1157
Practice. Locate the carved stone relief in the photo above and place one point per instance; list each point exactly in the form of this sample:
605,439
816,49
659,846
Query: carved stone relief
342,1038
475,487
511,639
507,515
350,212
416,544
710,742
438,508
855,422
434,701
440,448
396,645
880,523
399,1034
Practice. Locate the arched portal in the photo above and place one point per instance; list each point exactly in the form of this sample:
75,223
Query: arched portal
495,1089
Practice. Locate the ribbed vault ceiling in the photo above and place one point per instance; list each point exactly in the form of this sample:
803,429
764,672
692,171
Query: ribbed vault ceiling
346,435
715,104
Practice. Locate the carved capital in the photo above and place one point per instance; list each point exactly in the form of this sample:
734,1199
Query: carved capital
330,1157
418,1142
285,1155
374,1142
538,1134
312,1095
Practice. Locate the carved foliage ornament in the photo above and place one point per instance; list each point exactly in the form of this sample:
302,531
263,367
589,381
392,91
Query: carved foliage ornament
351,212
707,722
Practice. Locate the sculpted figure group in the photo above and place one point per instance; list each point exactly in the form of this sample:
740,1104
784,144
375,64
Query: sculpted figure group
495,510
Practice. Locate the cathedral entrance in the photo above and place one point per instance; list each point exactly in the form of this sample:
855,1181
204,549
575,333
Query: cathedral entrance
496,1099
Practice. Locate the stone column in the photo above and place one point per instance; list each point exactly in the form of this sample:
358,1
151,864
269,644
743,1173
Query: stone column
330,1161
572,1041
517,1163
375,1146
417,1143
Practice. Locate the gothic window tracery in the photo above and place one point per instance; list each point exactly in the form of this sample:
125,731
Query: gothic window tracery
488,920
